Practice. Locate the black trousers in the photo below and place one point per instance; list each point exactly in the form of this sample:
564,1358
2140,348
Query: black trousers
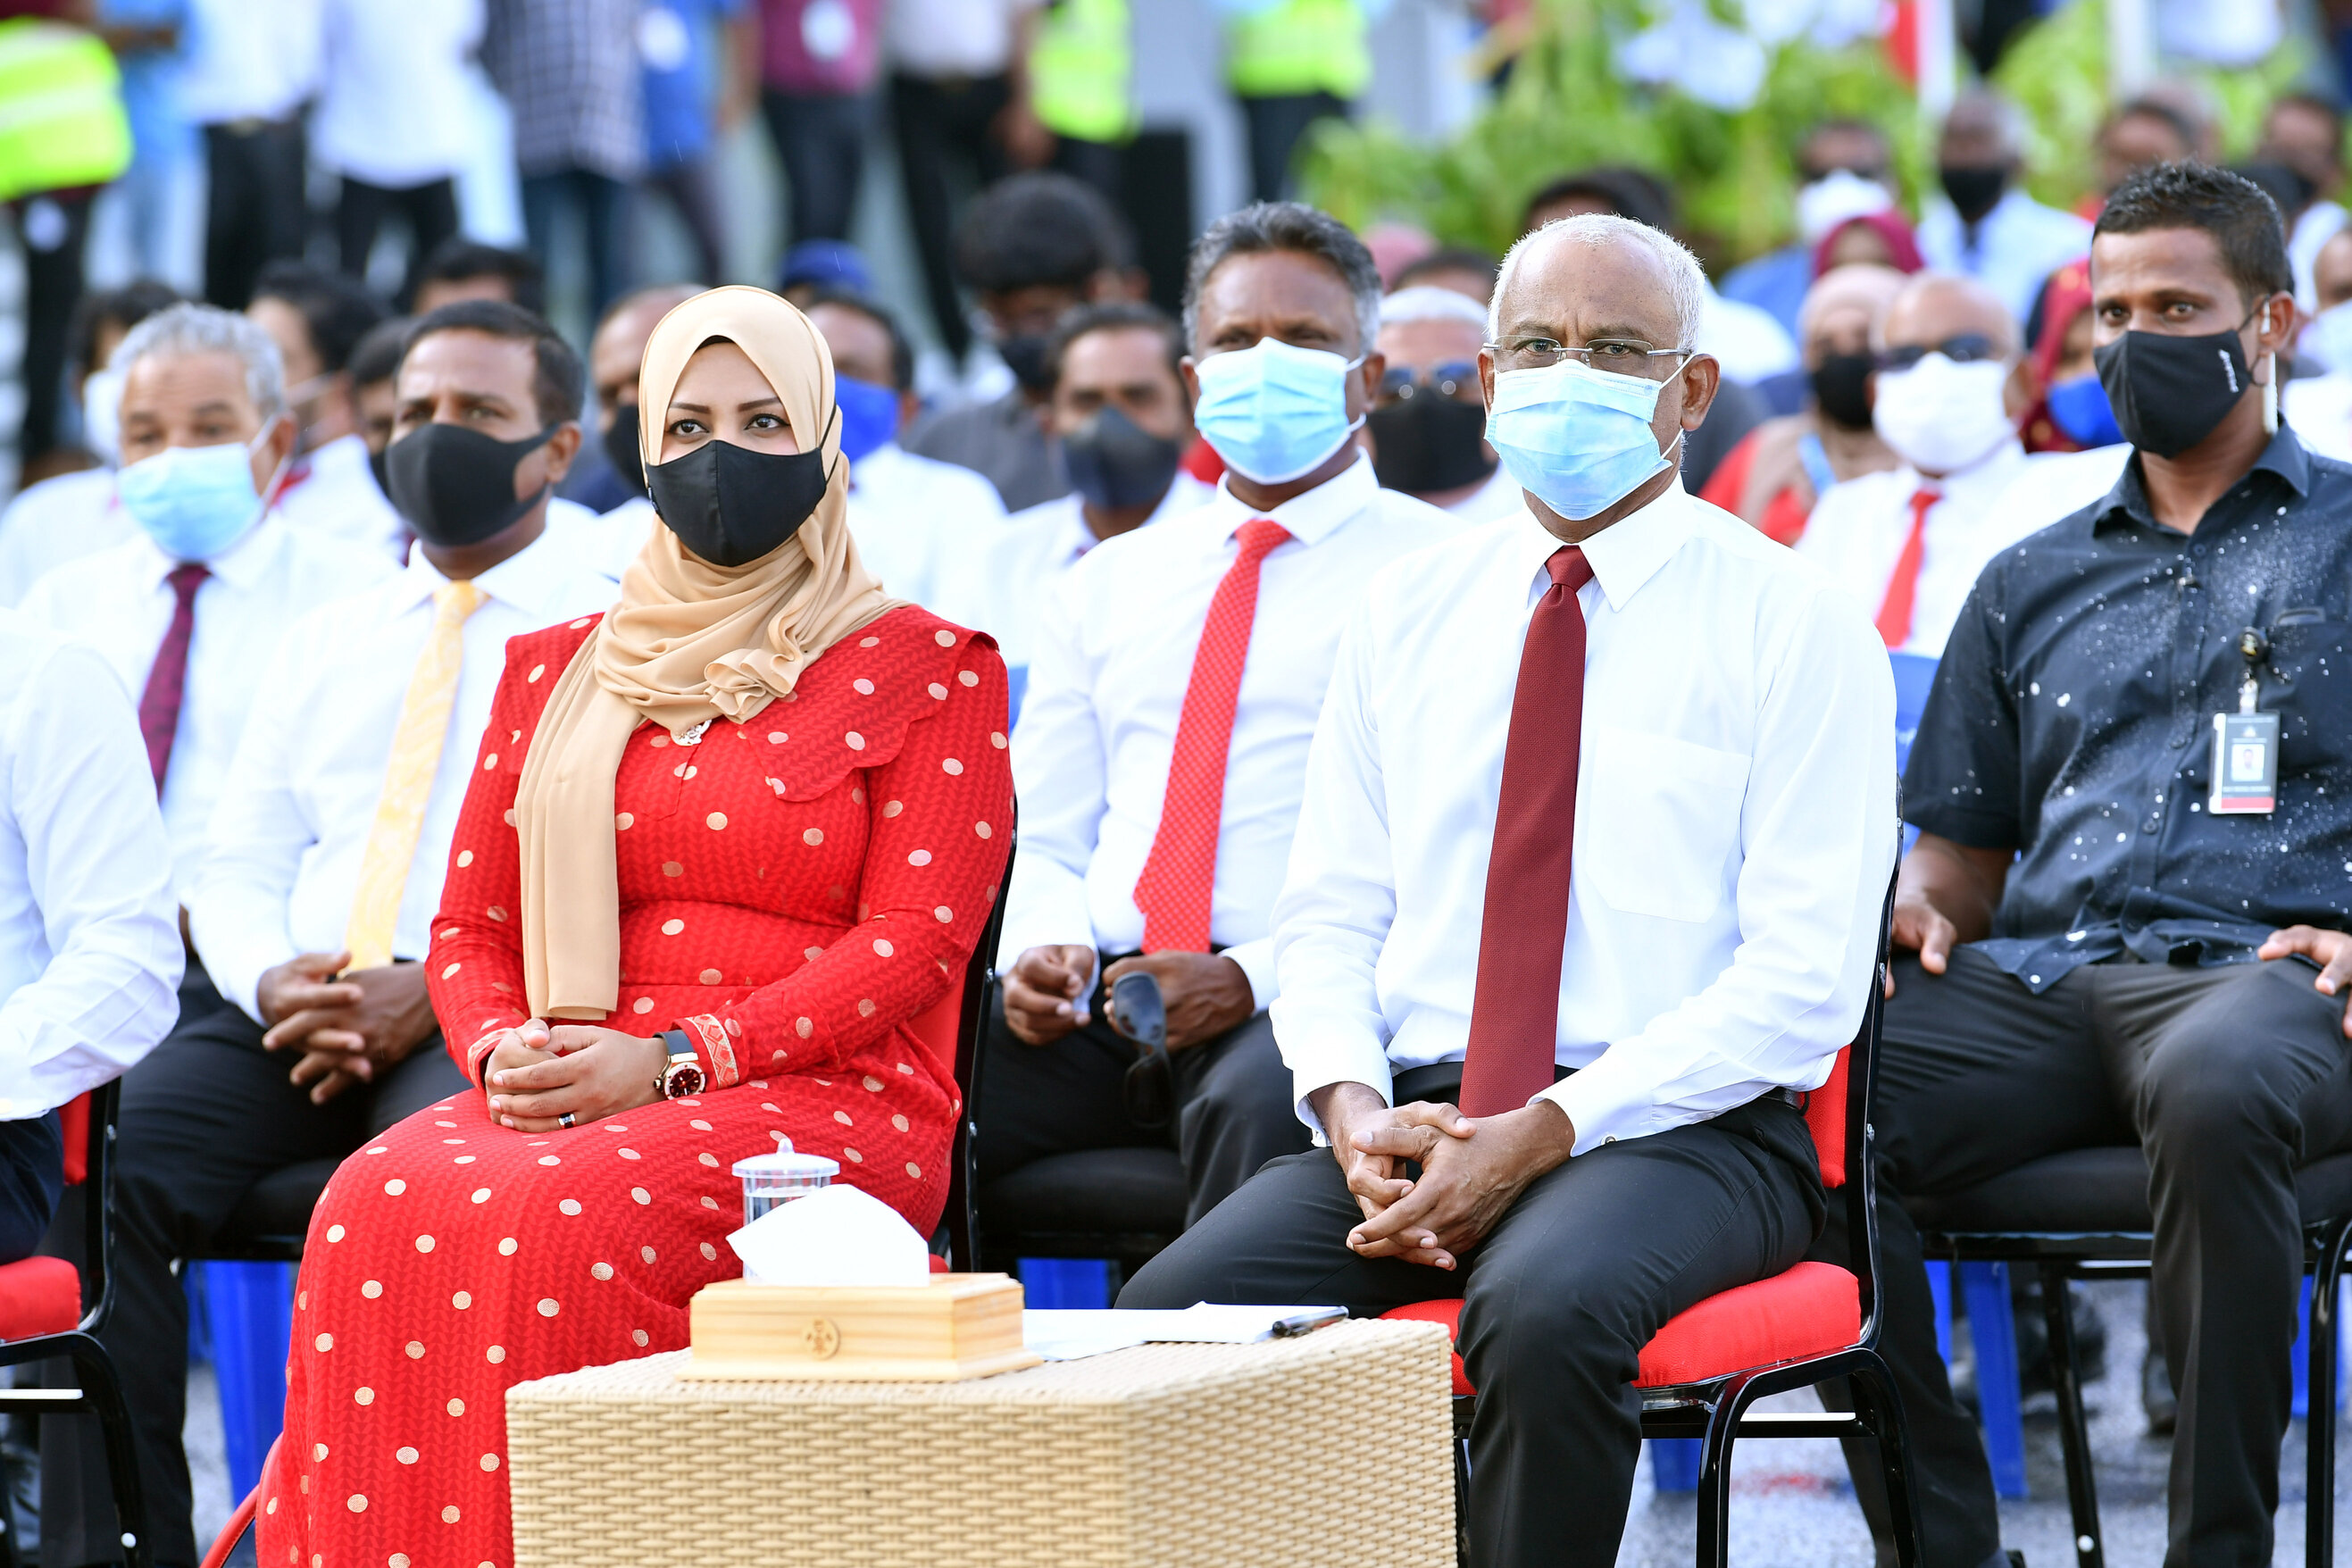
205,1117
821,141
1557,1300
2229,1077
691,189
600,202
430,209
1235,1110
55,231
254,209
942,129
32,1177
1276,125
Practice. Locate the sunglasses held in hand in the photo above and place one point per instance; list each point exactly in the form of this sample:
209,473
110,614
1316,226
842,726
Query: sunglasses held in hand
1139,1013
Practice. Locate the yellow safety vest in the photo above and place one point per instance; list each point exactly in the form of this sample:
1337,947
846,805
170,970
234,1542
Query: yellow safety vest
1079,69
1299,46
62,119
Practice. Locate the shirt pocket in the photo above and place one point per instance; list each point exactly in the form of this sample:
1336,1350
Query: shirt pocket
1661,822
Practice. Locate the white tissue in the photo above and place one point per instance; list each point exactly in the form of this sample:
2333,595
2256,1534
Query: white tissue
835,1236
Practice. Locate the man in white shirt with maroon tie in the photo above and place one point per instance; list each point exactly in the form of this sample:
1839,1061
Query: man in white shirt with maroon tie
1621,1010
1177,673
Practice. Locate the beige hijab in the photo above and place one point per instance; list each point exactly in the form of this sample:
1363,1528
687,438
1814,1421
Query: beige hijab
688,642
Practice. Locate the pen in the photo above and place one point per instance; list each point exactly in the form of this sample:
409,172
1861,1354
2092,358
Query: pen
1307,1322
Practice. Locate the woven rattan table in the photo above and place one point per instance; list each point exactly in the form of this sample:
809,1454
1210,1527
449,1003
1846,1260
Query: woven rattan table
1334,1448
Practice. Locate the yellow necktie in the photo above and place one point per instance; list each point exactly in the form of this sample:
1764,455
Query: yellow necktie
408,778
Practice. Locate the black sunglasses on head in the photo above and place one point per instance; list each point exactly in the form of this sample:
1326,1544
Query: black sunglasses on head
1968,348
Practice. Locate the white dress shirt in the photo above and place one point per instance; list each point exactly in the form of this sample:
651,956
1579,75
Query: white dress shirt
120,602
395,107
336,496
1113,658
1735,821
913,518
943,38
2014,251
248,59
57,520
2320,408
90,941
1001,575
2320,222
604,542
1747,339
1858,528
1499,497
290,831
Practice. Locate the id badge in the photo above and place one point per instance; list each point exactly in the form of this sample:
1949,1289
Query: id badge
2245,765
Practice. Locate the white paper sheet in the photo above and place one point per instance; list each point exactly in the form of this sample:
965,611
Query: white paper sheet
1063,1334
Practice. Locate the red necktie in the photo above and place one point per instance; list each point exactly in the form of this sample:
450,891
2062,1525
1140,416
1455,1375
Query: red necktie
1894,610
1515,1013
1181,873
159,705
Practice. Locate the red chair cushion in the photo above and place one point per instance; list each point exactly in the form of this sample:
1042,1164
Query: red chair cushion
1813,1309
39,1296
73,1121
940,1265
1825,1116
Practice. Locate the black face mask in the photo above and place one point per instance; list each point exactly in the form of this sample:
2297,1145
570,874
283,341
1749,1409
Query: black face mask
1842,390
1428,443
1115,463
1024,354
456,485
378,464
731,505
1974,188
2169,393
621,448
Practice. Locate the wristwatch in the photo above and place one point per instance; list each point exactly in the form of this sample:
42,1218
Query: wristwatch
681,1073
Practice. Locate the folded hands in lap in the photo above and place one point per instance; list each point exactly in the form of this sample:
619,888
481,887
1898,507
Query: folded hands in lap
347,1027
1472,1169
539,1072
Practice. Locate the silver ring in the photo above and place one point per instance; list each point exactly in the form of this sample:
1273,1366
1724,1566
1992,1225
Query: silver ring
567,1119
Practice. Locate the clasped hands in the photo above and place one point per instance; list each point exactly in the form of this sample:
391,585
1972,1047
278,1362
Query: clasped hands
348,1026
1472,1169
540,1071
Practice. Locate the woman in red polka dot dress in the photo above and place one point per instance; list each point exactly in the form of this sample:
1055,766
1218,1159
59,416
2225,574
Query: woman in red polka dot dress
755,815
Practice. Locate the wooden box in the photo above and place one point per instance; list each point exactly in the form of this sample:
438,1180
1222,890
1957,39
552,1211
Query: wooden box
954,1327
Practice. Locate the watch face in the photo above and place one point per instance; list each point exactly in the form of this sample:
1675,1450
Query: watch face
684,1079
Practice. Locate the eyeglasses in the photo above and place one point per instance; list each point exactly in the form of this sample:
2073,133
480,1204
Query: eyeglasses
1446,379
1968,348
1619,356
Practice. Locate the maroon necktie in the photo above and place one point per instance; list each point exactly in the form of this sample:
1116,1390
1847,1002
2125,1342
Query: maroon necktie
1515,1013
159,705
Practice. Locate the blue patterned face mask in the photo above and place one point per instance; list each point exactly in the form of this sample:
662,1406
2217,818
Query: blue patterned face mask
1579,438
192,501
1276,411
2080,407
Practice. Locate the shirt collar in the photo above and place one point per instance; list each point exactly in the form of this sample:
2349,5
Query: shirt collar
240,565
1310,518
2127,501
531,580
1624,555
1978,481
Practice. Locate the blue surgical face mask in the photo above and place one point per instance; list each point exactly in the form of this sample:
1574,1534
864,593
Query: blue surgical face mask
1577,438
2329,337
869,415
194,502
1276,411
2080,407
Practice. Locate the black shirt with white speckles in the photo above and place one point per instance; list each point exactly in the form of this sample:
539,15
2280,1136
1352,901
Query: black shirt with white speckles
2072,719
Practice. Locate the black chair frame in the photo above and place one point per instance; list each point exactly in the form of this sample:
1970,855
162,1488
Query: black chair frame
1717,1410
99,1391
960,1219
2124,1255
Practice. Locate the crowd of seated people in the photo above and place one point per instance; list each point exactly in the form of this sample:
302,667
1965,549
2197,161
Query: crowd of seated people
1468,700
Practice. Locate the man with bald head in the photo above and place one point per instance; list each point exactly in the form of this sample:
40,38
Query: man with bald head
1909,543
1987,227
1591,1041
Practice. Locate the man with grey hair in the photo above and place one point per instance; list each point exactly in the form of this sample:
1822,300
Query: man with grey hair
1987,227
1175,675
1429,429
1590,1039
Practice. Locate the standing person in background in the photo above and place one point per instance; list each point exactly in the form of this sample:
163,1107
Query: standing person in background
909,514
674,40
251,67
1780,469
1429,429
464,268
818,62
1987,227
1119,408
569,72
2148,129
392,122
958,101
1290,63
317,318
2306,132
1844,169
1034,247
2318,407
1081,56
154,195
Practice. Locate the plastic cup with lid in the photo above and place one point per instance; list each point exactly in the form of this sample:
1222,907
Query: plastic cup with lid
771,1180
